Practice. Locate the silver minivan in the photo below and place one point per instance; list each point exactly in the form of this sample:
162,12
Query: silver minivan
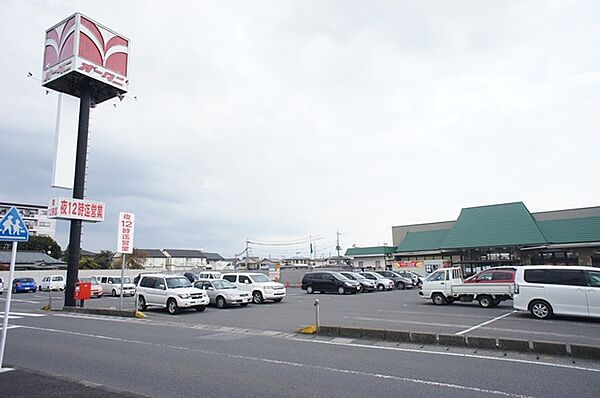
545,290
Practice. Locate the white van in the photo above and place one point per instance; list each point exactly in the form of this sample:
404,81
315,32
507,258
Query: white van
545,290
52,282
112,285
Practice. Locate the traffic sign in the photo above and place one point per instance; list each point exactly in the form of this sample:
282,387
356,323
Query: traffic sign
12,227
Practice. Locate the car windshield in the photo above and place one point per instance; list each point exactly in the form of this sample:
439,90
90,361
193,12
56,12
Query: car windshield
175,283
350,276
340,277
222,284
260,278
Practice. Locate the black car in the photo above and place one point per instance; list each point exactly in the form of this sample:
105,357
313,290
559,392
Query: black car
325,281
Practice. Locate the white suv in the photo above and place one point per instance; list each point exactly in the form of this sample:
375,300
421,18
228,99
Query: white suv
261,287
172,292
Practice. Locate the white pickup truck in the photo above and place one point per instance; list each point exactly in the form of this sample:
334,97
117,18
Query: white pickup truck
445,286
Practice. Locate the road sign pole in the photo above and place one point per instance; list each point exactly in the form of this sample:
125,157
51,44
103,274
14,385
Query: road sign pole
122,276
11,274
78,192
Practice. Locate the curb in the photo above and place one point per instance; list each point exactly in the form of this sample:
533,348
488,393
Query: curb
102,311
540,347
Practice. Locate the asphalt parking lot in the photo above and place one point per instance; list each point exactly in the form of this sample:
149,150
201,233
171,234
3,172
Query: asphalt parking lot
396,310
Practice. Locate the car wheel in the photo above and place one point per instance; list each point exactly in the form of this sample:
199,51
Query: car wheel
438,299
278,300
485,301
114,293
141,304
381,288
359,289
172,306
540,309
341,290
221,303
309,290
200,308
257,297
400,286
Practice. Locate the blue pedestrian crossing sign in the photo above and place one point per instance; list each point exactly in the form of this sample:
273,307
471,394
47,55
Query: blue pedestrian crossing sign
12,227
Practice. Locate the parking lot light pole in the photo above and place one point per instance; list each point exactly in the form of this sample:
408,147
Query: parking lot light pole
317,314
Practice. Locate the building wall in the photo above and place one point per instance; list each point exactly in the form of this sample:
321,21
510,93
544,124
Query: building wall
566,214
369,262
153,263
177,263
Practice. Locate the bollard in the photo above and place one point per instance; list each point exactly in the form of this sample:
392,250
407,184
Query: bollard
317,314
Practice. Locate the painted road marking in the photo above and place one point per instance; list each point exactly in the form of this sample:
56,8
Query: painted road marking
20,315
20,301
485,323
295,364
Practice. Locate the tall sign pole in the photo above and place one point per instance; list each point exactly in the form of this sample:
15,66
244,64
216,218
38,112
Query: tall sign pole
87,60
12,228
78,192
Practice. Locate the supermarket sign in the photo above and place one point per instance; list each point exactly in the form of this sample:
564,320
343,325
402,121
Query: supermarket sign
76,209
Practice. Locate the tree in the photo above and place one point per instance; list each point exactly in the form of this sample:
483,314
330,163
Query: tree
134,260
104,259
37,243
88,263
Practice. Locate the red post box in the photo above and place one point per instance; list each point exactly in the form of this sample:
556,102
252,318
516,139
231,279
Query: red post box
83,290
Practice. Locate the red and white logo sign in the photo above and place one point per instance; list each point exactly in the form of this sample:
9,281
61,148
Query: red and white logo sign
125,240
76,209
78,44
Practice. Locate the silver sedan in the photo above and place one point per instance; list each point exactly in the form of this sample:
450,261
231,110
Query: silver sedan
223,293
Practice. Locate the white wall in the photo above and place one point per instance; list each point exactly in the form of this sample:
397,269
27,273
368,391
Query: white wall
38,275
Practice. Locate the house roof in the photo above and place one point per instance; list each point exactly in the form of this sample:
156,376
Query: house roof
575,230
507,224
213,256
422,240
30,259
185,253
154,253
370,251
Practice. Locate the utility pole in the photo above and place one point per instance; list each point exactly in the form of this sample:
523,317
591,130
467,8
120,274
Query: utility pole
338,248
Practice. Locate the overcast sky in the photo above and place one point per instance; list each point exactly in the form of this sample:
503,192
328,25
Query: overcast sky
279,120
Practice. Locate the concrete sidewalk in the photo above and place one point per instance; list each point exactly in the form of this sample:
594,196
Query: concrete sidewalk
21,383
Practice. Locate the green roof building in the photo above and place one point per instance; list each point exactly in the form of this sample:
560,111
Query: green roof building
503,234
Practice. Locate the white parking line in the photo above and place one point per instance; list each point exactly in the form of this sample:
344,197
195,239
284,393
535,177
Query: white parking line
485,323
20,301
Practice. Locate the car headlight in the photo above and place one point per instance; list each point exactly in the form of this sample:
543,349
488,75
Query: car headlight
184,296
348,284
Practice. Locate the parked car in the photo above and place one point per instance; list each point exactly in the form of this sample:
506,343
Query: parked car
328,282
557,290
416,278
493,275
400,282
365,284
210,275
173,292
259,285
97,290
380,282
20,285
223,293
1,285
112,285
52,282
